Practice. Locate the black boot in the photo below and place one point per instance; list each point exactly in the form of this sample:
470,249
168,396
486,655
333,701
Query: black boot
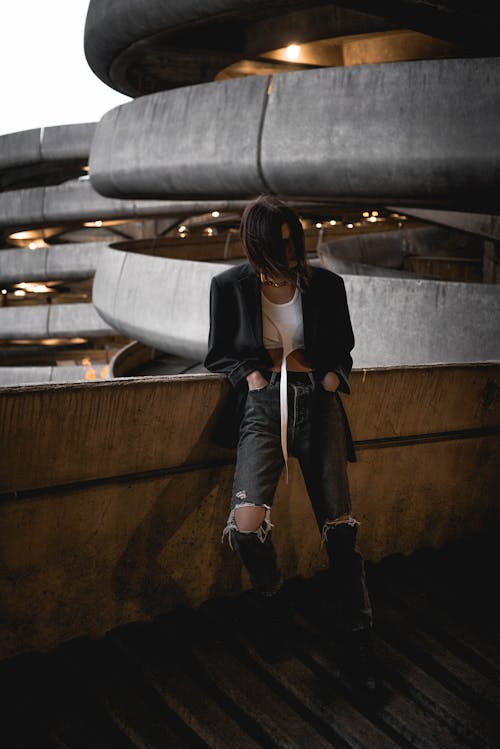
259,559
353,608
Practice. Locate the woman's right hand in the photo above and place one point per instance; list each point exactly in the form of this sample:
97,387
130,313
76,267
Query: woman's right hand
256,380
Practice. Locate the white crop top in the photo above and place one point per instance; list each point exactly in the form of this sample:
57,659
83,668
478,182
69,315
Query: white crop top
283,326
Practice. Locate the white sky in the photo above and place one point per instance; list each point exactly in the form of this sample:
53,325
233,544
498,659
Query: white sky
44,76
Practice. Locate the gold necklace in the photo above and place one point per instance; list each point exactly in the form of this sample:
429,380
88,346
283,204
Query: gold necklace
268,282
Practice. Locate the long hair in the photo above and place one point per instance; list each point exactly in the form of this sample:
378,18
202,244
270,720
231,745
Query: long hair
260,232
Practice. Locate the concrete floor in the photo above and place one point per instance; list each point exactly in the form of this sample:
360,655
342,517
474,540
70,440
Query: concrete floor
197,678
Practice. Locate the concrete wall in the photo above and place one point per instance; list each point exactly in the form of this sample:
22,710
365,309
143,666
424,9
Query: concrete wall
52,321
57,143
324,133
76,201
390,248
114,497
193,141
49,263
164,303
28,375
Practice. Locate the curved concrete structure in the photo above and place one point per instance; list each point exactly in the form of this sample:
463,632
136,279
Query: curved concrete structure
318,134
52,321
390,249
60,261
480,224
38,375
77,201
164,303
142,46
46,155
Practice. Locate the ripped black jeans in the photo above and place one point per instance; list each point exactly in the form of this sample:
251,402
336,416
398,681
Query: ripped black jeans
316,437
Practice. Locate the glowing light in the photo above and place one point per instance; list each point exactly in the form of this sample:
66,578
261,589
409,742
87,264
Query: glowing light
104,371
4,291
22,235
372,219
318,225
93,223
350,226
210,231
366,214
374,213
19,292
333,222
85,168
21,285
215,214
292,52
182,228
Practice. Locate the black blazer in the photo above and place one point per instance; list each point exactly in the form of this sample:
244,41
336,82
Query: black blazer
236,348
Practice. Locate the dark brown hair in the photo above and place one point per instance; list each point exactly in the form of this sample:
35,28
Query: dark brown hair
260,232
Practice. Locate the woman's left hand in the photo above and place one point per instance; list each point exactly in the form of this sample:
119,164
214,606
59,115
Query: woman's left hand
330,382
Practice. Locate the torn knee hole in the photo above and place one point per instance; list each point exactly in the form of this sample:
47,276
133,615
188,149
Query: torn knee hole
343,520
248,518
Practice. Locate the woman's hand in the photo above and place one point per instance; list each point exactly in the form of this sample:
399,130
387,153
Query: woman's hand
330,382
256,380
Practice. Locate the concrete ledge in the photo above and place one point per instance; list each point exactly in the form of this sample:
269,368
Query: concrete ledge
10,376
44,155
324,134
113,508
77,201
164,303
382,130
194,142
71,261
52,321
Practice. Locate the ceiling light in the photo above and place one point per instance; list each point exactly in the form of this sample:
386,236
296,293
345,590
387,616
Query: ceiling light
374,213
215,214
19,292
366,214
292,52
318,225
333,222
350,226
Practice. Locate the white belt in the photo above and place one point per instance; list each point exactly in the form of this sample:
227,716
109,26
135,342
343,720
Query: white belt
284,412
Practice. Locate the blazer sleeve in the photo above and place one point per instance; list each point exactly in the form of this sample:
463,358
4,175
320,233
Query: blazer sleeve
338,357
223,322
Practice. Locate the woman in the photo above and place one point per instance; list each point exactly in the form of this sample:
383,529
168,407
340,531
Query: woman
280,330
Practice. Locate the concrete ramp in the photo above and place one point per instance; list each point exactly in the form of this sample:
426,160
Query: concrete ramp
164,303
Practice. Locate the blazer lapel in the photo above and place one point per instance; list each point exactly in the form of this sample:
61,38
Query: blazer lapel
250,290
309,315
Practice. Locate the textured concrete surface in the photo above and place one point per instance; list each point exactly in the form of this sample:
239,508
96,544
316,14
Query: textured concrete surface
60,261
44,155
10,376
390,248
164,303
381,130
192,142
324,133
52,321
480,224
76,201
121,496
141,46
57,143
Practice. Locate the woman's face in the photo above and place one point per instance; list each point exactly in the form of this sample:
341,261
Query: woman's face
290,249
